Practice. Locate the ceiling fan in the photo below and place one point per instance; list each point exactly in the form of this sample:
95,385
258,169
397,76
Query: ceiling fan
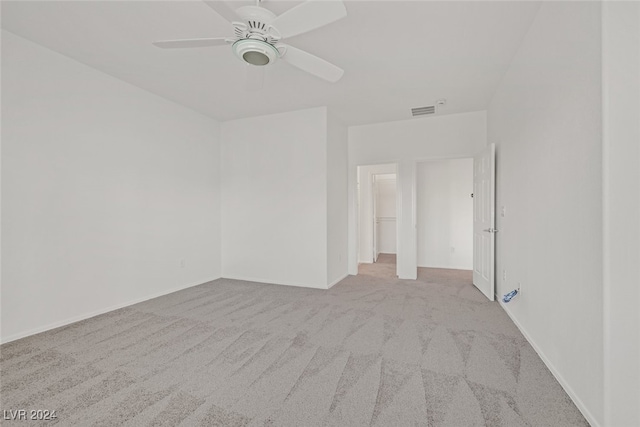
259,34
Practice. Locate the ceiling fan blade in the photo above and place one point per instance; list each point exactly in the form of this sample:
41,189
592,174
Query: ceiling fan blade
189,43
223,9
312,64
308,16
254,77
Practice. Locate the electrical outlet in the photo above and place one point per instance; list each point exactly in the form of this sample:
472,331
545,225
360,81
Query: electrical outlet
183,263
504,275
503,211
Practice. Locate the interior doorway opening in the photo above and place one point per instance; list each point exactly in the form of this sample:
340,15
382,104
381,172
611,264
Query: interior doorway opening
455,218
377,220
444,201
384,218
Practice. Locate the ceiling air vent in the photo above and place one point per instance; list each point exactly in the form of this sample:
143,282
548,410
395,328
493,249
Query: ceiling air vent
423,111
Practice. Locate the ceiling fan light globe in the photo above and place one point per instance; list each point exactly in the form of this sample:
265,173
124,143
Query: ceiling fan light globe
255,52
256,58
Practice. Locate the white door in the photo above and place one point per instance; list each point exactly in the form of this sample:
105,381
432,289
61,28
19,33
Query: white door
374,193
484,221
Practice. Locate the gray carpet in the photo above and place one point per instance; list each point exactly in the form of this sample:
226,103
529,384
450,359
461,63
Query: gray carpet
385,266
370,351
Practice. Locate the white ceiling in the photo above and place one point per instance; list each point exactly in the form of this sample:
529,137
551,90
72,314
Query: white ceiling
396,55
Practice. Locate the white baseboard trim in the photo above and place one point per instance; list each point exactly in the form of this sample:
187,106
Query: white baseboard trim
271,282
85,316
447,267
578,402
246,279
335,282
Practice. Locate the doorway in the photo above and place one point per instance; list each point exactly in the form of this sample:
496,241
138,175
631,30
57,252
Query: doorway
377,220
444,202
384,217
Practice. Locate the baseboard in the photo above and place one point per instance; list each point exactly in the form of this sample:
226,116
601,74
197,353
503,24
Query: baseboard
270,282
565,385
335,282
447,267
97,312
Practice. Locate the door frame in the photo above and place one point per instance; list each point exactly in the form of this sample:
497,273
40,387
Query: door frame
355,188
376,181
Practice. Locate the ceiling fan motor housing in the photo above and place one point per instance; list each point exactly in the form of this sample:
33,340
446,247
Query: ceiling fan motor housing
255,44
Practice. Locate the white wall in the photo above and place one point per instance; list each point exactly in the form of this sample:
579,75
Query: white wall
274,198
445,214
105,189
545,119
406,142
385,200
364,209
621,81
337,215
